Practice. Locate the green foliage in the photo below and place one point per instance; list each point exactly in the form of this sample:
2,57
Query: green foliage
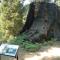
27,45
1,38
11,17
32,47
58,2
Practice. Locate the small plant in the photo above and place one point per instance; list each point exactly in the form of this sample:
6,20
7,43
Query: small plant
32,47
27,45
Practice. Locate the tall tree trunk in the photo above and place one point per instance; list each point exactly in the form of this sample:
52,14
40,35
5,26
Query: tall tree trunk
30,18
38,27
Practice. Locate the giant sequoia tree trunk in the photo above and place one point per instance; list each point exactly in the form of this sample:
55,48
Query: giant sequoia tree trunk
44,23
30,18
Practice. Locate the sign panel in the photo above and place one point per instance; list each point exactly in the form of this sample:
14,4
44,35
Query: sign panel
8,50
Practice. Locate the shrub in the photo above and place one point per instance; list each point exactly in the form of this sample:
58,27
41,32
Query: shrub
27,45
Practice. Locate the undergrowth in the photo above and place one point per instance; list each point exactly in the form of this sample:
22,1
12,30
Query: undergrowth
27,45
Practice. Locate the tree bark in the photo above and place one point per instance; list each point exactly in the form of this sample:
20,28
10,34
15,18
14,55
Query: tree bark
46,18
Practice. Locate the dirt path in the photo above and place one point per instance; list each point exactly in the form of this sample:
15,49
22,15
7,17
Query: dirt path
45,53
48,52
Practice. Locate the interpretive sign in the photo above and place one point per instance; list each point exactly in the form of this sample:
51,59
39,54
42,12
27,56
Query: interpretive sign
9,50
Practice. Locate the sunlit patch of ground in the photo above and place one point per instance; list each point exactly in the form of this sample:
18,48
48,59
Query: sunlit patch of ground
51,53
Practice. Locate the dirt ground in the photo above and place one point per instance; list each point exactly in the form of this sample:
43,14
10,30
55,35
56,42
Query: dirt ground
45,53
